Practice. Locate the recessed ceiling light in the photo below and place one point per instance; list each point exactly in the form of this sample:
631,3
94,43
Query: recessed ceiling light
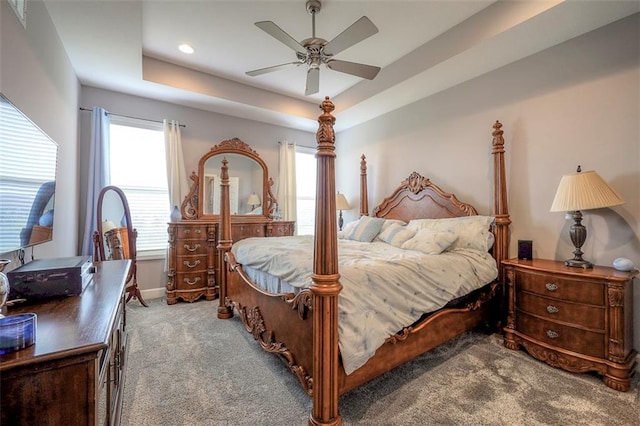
186,48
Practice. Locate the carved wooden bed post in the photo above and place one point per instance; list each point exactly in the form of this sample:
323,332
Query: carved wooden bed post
326,285
224,242
501,213
364,195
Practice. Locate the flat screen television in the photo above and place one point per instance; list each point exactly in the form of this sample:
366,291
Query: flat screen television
28,160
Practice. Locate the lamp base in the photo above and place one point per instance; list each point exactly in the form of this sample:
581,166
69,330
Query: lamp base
578,263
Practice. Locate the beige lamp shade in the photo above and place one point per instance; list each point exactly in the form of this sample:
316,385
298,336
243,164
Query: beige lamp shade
584,191
253,199
341,202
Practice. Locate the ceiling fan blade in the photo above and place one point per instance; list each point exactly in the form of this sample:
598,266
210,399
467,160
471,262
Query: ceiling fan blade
278,33
313,81
361,70
271,69
357,32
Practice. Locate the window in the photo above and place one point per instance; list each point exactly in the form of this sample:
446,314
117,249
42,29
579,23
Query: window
138,167
305,190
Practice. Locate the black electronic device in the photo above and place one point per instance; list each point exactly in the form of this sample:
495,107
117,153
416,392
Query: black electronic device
47,278
525,249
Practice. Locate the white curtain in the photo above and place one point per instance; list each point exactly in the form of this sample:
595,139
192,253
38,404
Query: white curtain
177,179
97,173
287,181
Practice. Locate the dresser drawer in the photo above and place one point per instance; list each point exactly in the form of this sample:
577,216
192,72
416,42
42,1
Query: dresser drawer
282,229
573,339
194,263
192,232
560,287
242,231
191,248
557,310
191,280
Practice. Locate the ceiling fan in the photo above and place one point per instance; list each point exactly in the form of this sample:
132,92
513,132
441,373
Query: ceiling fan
314,51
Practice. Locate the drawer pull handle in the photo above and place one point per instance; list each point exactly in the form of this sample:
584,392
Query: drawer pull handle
552,309
551,286
191,265
552,334
195,281
190,248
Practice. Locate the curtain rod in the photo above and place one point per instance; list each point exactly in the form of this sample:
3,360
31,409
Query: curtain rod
127,116
302,146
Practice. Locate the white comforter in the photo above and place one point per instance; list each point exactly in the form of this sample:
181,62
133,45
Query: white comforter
384,288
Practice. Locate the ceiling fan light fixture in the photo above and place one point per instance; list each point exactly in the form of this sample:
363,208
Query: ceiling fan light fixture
314,51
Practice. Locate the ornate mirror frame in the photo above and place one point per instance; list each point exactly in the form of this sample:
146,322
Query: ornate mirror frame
193,207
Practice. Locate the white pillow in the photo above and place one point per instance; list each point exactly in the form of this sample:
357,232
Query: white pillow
366,229
395,234
387,223
346,230
472,231
430,242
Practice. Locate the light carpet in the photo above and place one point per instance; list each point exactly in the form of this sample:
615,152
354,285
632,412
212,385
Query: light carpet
187,367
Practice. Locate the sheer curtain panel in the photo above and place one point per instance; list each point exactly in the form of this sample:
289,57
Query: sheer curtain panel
177,179
287,181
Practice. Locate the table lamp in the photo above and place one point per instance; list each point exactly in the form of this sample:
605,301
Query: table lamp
341,204
582,191
253,200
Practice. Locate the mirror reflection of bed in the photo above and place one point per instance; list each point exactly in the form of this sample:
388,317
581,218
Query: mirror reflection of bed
115,236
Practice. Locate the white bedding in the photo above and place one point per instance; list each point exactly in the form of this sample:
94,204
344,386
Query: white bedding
385,288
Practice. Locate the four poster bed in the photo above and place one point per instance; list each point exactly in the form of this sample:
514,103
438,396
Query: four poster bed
301,313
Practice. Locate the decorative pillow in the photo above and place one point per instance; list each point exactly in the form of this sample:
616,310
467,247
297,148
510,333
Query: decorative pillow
346,230
472,231
387,223
430,242
366,229
395,234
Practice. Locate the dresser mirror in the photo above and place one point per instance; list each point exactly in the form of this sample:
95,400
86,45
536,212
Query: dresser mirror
115,236
250,185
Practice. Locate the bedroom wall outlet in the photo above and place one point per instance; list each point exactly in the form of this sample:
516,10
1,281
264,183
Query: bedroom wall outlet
525,249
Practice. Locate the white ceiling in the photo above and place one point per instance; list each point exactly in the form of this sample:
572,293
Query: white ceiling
423,47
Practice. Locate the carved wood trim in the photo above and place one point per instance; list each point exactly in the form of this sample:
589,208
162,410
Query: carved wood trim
483,297
254,323
189,207
558,359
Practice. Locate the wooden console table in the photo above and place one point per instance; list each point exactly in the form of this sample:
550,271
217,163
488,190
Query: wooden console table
74,373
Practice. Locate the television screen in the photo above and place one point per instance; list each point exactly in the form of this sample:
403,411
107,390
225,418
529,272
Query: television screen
28,159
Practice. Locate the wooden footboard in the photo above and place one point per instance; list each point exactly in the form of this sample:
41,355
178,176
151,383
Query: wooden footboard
302,329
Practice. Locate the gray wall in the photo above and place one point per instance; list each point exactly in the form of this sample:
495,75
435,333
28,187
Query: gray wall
576,103
203,130
36,76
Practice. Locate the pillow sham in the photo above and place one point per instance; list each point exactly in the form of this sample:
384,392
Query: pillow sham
346,231
472,231
395,234
429,242
387,223
366,229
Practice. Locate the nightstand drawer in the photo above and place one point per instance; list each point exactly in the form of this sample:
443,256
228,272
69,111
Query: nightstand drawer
196,263
560,287
562,336
583,315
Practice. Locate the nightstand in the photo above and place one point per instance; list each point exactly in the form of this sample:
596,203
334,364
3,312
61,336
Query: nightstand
576,319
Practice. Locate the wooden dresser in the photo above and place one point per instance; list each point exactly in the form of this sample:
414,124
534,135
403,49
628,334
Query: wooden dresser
573,318
193,263
74,373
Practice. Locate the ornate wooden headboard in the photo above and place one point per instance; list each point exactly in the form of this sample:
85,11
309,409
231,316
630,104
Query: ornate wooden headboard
418,198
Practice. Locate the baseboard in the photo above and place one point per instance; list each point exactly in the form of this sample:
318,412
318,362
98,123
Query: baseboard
153,293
